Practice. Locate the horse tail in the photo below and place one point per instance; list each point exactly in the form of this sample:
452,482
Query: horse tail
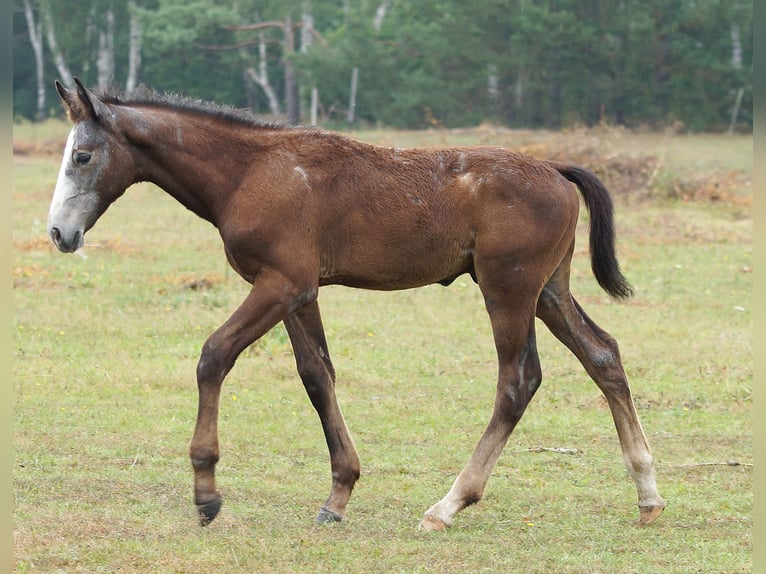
602,236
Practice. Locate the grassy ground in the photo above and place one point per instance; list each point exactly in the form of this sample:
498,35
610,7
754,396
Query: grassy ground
105,399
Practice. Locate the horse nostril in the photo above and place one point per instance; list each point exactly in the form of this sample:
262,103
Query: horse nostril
56,235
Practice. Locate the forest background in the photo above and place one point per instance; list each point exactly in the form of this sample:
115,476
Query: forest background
407,64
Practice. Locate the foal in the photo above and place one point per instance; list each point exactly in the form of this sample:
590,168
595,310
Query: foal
299,208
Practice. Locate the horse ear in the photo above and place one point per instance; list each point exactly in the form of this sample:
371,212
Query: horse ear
93,107
70,101
81,104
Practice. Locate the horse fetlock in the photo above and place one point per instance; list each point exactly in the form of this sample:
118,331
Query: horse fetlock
346,477
204,462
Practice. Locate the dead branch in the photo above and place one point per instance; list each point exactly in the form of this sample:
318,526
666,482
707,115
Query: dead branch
557,450
726,463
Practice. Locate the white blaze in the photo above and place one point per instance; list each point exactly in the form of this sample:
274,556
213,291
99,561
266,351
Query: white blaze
64,185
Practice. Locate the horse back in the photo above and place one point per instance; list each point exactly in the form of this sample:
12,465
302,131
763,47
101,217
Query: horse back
393,219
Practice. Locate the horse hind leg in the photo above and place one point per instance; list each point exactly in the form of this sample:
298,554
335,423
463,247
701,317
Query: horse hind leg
599,354
318,375
519,377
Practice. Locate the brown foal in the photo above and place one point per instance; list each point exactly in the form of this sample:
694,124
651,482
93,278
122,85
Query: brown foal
299,208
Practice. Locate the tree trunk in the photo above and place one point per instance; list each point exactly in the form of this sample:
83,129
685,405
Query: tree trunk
36,39
314,105
58,56
105,57
493,87
736,47
736,63
352,97
307,30
134,53
291,85
90,33
380,15
261,77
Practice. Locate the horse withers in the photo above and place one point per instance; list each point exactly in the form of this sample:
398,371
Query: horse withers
298,208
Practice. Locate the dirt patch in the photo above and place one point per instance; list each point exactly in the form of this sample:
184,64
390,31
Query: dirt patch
36,244
44,244
44,148
185,281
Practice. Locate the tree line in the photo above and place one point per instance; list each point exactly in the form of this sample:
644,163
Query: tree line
404,63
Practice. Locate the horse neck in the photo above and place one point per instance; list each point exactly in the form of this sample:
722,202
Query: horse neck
191,158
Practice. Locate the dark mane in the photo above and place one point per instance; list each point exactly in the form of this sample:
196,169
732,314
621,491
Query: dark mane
145,96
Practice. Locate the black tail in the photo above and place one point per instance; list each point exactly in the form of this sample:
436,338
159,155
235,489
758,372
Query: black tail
602,253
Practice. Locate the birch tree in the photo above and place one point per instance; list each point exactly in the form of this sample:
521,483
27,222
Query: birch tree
58,57
134,48
34,27
259,74
105,52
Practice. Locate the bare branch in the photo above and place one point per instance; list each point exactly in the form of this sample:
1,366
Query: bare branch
256,26
234,46
276,24
557,450
726,463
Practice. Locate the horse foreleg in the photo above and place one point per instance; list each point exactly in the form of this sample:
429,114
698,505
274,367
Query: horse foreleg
264,307
318,375
599,354
518,379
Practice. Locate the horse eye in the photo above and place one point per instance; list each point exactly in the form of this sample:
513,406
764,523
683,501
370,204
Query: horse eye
81,158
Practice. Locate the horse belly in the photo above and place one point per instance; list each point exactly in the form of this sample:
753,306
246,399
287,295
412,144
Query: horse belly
401,262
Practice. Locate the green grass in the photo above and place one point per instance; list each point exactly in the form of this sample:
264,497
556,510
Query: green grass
105,401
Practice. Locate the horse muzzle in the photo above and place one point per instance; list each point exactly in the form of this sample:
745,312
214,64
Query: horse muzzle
67,240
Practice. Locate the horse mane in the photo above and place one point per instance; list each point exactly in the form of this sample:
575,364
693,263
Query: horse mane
149,97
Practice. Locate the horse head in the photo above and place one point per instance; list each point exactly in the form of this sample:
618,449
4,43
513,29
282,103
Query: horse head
95,170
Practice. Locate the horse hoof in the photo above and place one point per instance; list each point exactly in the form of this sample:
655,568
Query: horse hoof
433,524
649,514
328,517
208,511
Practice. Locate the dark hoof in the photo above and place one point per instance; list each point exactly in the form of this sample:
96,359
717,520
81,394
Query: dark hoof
328,517
208,511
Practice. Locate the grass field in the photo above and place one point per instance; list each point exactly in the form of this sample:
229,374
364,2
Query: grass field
105,396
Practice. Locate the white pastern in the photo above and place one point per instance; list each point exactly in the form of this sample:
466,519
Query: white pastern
641,469
446,509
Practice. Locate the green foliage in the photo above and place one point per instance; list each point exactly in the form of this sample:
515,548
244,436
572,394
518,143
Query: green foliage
548,63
